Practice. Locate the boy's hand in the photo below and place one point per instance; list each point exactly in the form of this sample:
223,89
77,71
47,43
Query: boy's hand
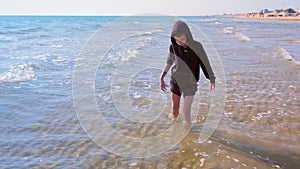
212,86
163,86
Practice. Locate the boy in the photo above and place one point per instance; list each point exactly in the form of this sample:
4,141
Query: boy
187,56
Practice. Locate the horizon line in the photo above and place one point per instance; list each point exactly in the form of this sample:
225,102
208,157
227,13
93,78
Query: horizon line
120,15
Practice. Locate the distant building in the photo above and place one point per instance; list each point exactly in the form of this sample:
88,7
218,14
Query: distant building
298,12
281,13
264,11
289,10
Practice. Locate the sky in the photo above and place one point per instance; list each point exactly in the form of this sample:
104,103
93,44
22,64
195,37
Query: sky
136,7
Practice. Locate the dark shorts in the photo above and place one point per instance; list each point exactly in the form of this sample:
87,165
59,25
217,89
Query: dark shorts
187,91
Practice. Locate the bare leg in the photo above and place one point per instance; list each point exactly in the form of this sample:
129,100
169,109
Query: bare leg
175,106
188,100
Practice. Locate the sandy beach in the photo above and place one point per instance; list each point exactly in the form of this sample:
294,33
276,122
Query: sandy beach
266,18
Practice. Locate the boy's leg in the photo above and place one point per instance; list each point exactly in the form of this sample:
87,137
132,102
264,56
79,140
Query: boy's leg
175,108
175,104
188,100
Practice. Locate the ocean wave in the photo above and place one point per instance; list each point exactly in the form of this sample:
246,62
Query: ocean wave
58,61
143,42
17,31
131,53
218,23
207,20
227,30
281,52
157,30
42,57
56,46
20,73
241,37
233,32
5,38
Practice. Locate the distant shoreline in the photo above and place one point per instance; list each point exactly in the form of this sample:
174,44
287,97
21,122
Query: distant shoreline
266,18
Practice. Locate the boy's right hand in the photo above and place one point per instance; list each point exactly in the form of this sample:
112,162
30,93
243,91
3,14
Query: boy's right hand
163,86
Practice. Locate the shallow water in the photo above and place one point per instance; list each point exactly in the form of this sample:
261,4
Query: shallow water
40,128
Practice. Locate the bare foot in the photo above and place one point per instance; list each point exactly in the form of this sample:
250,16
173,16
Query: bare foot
172,119
186,122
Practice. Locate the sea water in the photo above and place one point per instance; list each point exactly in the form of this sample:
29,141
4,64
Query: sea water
40,128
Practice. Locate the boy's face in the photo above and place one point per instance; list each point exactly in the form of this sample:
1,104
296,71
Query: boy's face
181,40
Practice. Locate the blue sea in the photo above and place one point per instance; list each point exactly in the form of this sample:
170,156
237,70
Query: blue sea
41,127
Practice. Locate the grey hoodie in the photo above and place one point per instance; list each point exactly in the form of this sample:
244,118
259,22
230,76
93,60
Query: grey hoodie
188,60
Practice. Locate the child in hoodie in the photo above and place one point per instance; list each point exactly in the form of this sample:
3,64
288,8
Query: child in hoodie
186,56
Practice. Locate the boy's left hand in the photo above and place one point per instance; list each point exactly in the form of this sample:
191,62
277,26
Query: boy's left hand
212,86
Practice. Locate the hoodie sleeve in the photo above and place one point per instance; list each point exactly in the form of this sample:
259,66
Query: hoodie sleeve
205,65
170,59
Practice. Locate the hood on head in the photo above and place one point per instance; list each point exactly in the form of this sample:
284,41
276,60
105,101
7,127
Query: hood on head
180,28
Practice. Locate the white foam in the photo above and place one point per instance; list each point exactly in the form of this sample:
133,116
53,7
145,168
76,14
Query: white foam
210,20
146,33
20,73
136,95
131,53
285,54
260,115
157,30
56,46
207,20
116,87
239,36
58,60
228,30
202,160
6,38
42,57
291,86
218,23
277,166
134,164
145,41
236,160
245,165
